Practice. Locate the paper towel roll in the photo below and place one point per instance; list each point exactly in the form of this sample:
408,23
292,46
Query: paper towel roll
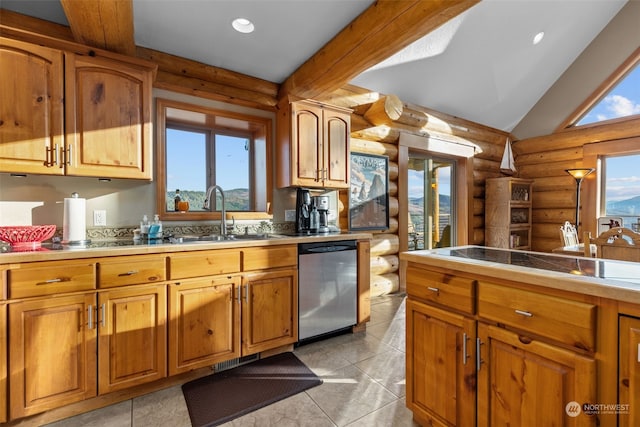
74,228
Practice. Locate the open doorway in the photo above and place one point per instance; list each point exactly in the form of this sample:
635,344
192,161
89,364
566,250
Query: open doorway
431,196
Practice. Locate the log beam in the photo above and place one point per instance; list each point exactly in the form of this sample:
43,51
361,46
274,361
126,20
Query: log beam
385,110
383,29
105,24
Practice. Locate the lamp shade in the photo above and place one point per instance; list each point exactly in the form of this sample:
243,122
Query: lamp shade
579,173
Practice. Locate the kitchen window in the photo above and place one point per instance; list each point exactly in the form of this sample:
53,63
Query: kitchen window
621,189
199,147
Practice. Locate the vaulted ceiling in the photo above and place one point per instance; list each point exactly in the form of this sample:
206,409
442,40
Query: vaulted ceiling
475,60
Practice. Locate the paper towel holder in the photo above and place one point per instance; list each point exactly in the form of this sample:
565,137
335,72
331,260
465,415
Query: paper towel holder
66,233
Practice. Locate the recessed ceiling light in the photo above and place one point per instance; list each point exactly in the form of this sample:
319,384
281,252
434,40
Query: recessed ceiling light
243,25
538,37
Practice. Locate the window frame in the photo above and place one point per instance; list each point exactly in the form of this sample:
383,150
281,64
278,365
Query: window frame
263,130
601,91
591,196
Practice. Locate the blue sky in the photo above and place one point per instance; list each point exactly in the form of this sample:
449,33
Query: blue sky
187,169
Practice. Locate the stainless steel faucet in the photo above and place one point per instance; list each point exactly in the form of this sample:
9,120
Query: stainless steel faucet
208,205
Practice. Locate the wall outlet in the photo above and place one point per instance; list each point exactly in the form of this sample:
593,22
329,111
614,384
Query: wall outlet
290,215
99,217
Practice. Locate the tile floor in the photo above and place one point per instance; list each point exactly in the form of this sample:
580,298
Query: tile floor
363,385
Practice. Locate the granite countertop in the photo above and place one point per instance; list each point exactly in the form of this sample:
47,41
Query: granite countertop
114,247
618,280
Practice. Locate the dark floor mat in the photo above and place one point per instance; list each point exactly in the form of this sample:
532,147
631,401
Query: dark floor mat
226,395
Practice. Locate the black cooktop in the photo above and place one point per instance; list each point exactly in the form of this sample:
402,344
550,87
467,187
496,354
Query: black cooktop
598,268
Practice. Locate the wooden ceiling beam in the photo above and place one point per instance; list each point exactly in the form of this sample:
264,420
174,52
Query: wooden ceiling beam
104,24
383,29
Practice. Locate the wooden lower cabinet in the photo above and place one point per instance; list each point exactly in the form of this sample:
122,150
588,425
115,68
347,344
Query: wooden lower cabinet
441,379
525,382
53,353
132,329
204,322
3,362
269,309
629,372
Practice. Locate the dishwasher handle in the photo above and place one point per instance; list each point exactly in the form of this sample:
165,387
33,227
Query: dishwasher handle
324,247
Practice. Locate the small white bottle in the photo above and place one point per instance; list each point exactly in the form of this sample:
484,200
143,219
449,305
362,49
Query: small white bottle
144,226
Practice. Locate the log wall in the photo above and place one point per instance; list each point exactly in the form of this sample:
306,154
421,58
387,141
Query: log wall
376,125
545,158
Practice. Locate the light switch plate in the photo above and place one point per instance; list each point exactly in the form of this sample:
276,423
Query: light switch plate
99,217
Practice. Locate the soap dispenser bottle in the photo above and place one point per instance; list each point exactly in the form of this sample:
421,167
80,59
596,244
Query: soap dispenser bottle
155,230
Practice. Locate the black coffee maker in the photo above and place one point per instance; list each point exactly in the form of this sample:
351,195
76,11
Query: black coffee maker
303,210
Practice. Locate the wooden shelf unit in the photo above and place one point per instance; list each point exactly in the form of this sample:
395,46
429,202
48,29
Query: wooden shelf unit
508,213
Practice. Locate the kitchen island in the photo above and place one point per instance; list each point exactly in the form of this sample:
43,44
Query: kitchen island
506,337
123,318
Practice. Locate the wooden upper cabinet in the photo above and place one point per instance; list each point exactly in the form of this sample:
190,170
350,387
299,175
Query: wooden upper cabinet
336,127
31,108
108,118
62,113
313,145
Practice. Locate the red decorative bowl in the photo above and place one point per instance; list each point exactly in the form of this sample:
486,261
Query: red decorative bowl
26,237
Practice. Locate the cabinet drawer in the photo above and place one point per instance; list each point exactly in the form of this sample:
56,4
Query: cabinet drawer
48,278
131,270
272,257
204,263
567,321
446,289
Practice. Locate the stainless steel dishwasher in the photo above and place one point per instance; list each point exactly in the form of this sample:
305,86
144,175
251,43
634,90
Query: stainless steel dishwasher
327,281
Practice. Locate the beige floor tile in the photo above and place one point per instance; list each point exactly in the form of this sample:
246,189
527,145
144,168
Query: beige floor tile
388,369
117,415
162,408
348,394
296,411
394,414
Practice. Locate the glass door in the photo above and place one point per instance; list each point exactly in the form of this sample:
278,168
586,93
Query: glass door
431,201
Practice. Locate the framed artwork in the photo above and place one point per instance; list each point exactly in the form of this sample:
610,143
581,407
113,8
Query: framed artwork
369,192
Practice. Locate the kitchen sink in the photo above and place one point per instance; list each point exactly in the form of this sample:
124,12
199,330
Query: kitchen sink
220,238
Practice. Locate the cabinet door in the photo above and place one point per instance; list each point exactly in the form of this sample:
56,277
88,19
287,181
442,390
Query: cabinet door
629,371
31,108
441,379
52,355
3,362
132,339
204,322
269,310
108,118
336,156
307,145
528,383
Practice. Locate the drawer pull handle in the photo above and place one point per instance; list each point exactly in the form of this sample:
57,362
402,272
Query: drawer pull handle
432,289
50,281
103,312
90,317
479,360
524,313
465,356
129,273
